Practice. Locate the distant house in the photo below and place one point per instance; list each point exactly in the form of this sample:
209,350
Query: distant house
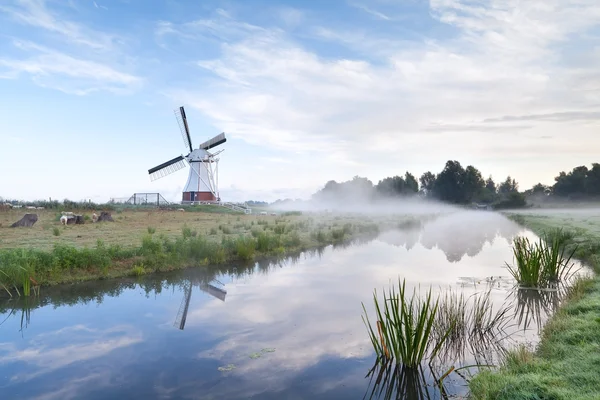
485,207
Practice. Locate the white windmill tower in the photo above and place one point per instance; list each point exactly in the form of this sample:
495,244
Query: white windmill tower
203,178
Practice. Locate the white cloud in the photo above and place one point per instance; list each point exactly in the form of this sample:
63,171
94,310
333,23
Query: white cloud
61,71
35,13
375,13
72,57
504,59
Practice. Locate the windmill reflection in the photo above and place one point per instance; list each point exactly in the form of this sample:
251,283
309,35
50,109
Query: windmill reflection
207,287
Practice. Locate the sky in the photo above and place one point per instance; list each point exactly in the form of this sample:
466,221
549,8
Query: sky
305,91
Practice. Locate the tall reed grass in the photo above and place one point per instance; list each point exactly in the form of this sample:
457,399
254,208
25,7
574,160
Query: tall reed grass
404,327
544,263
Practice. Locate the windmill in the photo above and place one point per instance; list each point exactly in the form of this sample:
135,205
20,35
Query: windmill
203,179
185,302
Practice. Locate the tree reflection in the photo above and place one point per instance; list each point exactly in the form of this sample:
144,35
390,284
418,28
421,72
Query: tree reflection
456,236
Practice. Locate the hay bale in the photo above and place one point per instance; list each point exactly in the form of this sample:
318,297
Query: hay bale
105,216
76,219
27,221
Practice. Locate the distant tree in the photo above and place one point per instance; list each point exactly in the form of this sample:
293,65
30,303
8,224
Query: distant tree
540,188
398,186
449,184
412,186
490,184
508,186
592,183
427,181
473,183
575,182
391,186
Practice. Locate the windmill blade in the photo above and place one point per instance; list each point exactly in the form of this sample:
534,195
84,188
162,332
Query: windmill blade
183,127
167,168
183,308
214,142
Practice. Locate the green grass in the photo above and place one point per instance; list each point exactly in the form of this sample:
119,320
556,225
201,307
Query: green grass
542,264
566,363
158,251
404,325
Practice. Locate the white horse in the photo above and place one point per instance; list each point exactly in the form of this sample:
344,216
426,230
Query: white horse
64,219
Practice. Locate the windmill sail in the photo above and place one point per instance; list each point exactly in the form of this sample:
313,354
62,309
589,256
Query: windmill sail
214,142
167,168
183,127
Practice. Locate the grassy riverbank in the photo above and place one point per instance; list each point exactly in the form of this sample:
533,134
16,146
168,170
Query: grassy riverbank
140,242
567,361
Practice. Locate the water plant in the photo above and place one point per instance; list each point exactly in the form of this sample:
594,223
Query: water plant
556,261
404,327
528,268
543,263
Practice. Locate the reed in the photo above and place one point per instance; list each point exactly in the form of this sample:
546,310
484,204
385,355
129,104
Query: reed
542,264
528,258
556,261
404,327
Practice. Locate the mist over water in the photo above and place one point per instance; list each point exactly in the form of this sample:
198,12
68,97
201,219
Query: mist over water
366,206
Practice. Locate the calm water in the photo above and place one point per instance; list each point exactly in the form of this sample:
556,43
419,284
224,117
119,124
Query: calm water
283,329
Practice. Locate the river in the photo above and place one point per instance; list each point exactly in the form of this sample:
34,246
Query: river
289,328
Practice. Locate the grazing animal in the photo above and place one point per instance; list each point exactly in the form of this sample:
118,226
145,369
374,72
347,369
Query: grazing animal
180,209
64,219
94,217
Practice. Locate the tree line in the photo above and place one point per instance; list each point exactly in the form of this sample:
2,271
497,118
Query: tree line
459,185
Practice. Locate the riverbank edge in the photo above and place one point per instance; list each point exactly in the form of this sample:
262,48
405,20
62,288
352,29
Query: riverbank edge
135,266
566,362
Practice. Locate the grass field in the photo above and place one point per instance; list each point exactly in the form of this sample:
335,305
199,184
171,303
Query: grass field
127,230
566,364
142,241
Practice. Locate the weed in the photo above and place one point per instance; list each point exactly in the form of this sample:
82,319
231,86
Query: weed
338,234
151,230
245,248
404,328
56,231
186,231
540,264
138,270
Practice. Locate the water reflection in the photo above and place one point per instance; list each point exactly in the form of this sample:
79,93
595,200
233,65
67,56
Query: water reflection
207,287
455,235
279,328
391,382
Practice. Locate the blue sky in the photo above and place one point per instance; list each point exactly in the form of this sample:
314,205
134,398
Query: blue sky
306,91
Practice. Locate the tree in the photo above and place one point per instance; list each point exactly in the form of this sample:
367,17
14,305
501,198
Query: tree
427,182
393,186
592,183
473,183
412,186
490,184
508,186
449,184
